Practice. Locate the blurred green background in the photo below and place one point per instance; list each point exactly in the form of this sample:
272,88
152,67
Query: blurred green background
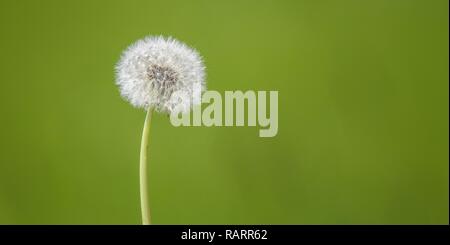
363,114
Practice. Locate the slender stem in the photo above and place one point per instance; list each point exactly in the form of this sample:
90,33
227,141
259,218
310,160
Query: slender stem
143,172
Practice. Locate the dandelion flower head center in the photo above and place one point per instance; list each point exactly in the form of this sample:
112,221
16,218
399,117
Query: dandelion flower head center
162,78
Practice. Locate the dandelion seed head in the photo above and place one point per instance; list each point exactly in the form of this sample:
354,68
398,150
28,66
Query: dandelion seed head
161,73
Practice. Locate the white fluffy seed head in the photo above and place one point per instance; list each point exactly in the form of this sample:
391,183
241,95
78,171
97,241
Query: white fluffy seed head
161,73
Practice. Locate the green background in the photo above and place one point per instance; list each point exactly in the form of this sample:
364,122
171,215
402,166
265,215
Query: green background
363,114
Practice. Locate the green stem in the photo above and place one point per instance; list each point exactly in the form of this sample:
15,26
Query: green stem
143,172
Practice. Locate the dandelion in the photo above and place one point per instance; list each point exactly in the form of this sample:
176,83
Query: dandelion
161,74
